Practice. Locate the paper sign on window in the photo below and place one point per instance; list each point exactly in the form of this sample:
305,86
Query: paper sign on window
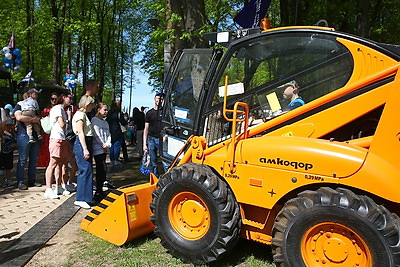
273,102
233,89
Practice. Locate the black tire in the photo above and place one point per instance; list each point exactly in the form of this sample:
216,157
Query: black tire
223,226
348,216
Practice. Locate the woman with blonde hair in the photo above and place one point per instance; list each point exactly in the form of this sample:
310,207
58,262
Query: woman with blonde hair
82,127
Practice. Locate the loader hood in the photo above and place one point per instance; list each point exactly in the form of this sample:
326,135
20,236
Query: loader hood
307,155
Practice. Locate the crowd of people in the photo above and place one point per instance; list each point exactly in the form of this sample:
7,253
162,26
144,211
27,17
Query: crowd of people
91,131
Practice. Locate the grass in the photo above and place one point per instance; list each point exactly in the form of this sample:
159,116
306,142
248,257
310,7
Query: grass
147,250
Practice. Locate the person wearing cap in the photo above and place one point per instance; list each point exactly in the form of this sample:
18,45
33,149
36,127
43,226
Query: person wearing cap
26,150
152,131
83,151
291,92
30,107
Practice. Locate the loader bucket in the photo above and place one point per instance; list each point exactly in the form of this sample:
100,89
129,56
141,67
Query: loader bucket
124,214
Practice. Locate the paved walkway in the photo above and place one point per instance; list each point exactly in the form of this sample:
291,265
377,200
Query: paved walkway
28,219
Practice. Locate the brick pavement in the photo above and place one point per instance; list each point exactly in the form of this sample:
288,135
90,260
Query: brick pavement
22,209
28,219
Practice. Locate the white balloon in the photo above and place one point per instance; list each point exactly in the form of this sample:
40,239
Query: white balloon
8,56
66,84
6,49
17,68
72,81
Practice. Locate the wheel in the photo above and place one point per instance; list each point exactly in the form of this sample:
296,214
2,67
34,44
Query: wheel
330,227
195,214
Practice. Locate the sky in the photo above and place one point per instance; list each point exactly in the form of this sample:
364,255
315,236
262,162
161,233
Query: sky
141,93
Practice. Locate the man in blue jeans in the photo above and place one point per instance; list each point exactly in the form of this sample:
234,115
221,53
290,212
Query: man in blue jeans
152,131
26,150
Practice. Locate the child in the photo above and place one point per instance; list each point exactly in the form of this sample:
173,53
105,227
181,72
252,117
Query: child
30,108
101,146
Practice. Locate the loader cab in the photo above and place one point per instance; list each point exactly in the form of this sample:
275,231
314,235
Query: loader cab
319,60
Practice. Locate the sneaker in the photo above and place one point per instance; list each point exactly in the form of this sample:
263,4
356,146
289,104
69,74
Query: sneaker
22,186
34,185
49,193
69,187
61,191
82,204
108,185
117,163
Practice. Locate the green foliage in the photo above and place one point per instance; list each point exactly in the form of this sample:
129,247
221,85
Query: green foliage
100,38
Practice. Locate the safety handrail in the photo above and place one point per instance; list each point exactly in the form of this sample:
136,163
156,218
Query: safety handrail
235,111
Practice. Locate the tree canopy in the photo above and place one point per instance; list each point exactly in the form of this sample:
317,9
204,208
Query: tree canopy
106,39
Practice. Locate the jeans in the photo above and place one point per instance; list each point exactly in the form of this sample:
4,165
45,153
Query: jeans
101,171
25,150
153,146
115,150
84,190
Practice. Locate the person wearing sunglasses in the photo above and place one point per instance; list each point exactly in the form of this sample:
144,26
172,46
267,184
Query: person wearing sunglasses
44,155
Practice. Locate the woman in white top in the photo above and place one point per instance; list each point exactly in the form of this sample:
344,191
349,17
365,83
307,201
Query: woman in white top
83,152
101,147
58,146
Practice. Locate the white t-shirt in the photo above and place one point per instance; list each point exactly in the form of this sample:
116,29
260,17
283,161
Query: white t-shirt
101,134
56,131
87,126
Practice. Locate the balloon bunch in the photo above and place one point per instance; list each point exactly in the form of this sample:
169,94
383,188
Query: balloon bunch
12,58
70,81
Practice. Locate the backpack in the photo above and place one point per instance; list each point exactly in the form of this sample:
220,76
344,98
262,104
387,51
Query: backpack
46,124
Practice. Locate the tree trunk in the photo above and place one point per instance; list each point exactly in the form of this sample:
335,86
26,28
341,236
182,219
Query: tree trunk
363,28
284,7
29,41
57,12
194,22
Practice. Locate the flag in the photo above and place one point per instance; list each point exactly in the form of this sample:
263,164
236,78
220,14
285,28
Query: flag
11,44
252,13
27,78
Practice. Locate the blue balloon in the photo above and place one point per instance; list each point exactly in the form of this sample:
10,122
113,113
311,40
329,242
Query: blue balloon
19,56
6,60
16,51
7,65
72,85
18,61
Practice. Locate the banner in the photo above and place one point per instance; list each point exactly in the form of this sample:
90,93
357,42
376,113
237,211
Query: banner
252,13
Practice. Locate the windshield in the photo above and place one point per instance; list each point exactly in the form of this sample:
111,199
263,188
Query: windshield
186,86
277,73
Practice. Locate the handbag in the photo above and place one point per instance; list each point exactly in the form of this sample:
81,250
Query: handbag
123,128
9,143
70,136
46,124
9,146
145,164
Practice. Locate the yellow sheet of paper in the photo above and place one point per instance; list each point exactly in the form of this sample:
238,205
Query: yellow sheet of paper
273,102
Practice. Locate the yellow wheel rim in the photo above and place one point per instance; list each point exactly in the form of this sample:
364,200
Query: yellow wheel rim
333,244
189,215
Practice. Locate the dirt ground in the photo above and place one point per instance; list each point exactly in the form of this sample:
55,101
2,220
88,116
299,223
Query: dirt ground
56,251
